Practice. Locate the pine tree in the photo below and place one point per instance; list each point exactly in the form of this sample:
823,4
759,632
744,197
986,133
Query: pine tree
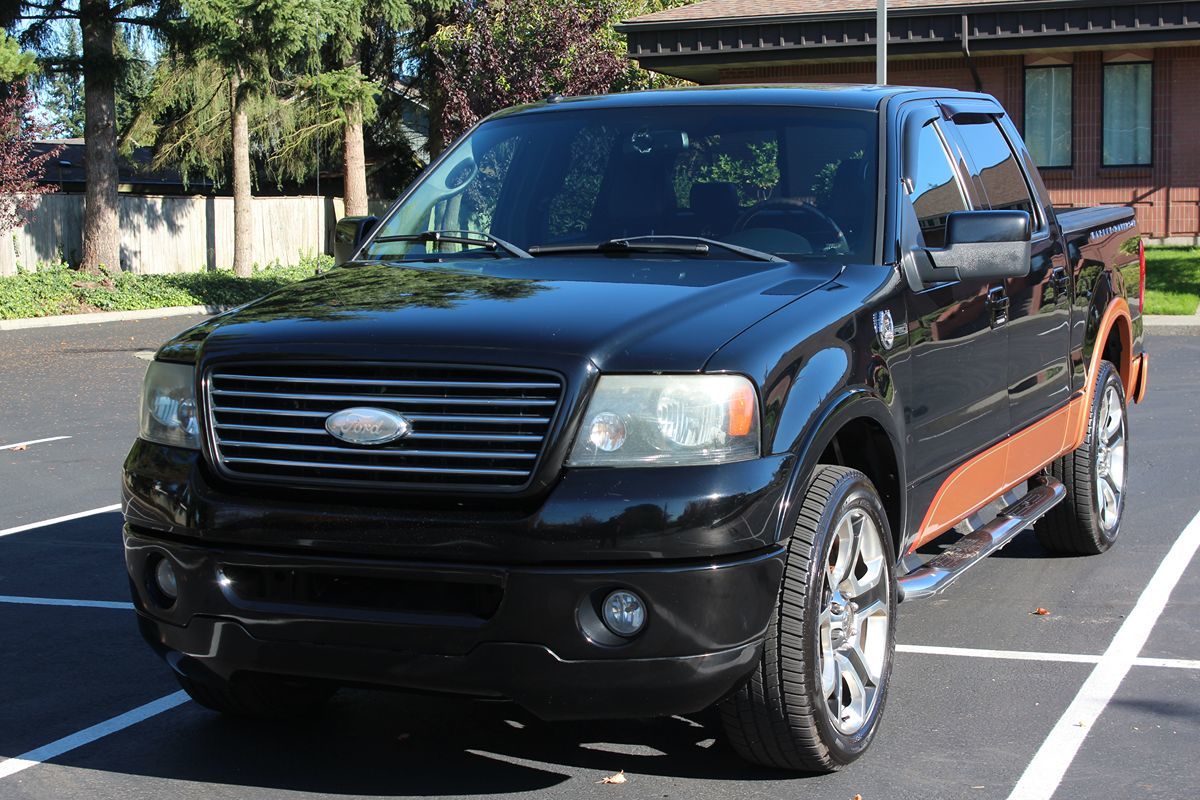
102,66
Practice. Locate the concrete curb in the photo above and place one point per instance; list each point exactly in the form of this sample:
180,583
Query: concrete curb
1172,325
108,316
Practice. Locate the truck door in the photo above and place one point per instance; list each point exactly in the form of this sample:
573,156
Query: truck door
1039,306
958,404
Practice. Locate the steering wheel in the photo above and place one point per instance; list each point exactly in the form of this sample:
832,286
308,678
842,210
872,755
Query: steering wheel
798,216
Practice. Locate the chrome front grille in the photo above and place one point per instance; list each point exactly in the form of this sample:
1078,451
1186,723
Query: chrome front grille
471,427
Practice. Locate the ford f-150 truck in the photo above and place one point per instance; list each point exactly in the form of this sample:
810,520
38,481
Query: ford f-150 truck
642,404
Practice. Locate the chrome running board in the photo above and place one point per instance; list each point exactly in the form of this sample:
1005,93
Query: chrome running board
943,569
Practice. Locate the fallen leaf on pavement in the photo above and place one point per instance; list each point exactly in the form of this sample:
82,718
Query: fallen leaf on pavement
856,797
1040,612
620,778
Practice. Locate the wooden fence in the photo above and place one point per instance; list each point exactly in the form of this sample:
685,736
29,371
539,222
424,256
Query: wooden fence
177,234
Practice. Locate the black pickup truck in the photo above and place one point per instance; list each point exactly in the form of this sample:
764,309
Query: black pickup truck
641,404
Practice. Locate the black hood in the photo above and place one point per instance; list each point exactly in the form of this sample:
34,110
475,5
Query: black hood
622,314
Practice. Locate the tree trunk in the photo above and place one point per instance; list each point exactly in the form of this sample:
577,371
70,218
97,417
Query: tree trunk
101,224
355,164
243,211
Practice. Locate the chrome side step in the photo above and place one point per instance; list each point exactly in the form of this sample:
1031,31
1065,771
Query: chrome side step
943,569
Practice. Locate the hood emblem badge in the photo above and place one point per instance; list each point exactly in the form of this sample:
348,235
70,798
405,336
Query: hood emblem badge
367,426
885,328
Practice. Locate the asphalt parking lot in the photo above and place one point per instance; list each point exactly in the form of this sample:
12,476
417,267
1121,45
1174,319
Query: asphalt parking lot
1099,698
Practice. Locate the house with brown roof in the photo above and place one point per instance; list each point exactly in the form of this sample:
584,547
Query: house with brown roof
1105,93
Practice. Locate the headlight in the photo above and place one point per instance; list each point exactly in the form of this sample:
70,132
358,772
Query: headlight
670,420
169,405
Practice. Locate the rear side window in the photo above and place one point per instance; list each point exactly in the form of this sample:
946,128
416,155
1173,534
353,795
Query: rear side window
936,189
995,164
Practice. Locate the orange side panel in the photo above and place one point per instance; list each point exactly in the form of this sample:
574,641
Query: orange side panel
993,472
998,469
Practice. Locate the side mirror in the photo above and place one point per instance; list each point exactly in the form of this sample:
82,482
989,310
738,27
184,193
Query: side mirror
348,236
983,245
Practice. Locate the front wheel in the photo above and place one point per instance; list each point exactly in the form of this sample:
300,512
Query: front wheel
815,700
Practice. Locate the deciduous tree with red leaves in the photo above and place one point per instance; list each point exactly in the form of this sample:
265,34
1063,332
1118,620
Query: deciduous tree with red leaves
498,54
20,164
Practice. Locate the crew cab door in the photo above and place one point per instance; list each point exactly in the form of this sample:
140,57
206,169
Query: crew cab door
1038,304
958,404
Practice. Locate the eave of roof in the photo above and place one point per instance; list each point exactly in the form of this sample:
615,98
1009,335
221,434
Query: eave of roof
710,13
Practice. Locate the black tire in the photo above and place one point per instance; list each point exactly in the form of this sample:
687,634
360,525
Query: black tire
1079,524
259,696
780,717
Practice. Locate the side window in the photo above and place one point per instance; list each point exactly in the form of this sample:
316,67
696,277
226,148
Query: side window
936,188
997,165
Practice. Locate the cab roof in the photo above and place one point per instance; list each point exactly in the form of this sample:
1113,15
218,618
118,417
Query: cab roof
829,95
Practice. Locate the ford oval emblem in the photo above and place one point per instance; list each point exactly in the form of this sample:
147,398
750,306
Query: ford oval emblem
367,425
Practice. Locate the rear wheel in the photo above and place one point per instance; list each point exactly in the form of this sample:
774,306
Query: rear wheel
815,700
1088,520
253,695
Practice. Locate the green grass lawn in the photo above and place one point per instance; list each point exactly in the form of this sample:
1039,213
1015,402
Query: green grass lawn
1172,280
60,290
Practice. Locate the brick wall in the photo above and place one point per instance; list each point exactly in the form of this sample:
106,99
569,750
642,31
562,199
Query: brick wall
1166,194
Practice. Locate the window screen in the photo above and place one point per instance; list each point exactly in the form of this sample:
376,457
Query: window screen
1127,95
936,190
1048,115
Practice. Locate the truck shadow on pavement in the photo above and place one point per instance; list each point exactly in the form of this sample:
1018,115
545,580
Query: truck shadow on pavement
374,743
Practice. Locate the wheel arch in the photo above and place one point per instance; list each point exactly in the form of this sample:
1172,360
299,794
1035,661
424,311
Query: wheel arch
1110,334
854,429
1112,340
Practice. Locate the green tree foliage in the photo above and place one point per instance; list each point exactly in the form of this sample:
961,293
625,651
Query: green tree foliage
231,60
15,64
59,89
634,77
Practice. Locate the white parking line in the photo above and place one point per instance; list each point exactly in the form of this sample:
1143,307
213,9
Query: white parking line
56,520
1019,655
1031,655
32,441
88,735
1045,772
55,601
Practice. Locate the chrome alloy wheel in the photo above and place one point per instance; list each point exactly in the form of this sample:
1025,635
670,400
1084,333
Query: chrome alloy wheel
1110,458
853,622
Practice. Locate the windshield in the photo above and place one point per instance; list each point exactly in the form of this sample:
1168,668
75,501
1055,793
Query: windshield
793,182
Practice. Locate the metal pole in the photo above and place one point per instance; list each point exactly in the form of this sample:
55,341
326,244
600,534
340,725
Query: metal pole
881,43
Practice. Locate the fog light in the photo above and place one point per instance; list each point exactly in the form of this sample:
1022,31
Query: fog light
624,613
164,579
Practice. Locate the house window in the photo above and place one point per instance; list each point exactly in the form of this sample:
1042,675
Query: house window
1048,115
1127,93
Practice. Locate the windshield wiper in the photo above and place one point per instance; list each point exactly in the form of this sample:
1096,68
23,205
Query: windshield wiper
695,245
484,240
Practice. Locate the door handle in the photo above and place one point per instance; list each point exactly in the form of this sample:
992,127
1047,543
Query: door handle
1061,281
997,301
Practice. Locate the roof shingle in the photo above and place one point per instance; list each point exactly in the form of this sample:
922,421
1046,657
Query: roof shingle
707,10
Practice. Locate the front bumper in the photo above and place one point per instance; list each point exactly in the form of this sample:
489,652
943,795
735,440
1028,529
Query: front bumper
527,634
589,515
